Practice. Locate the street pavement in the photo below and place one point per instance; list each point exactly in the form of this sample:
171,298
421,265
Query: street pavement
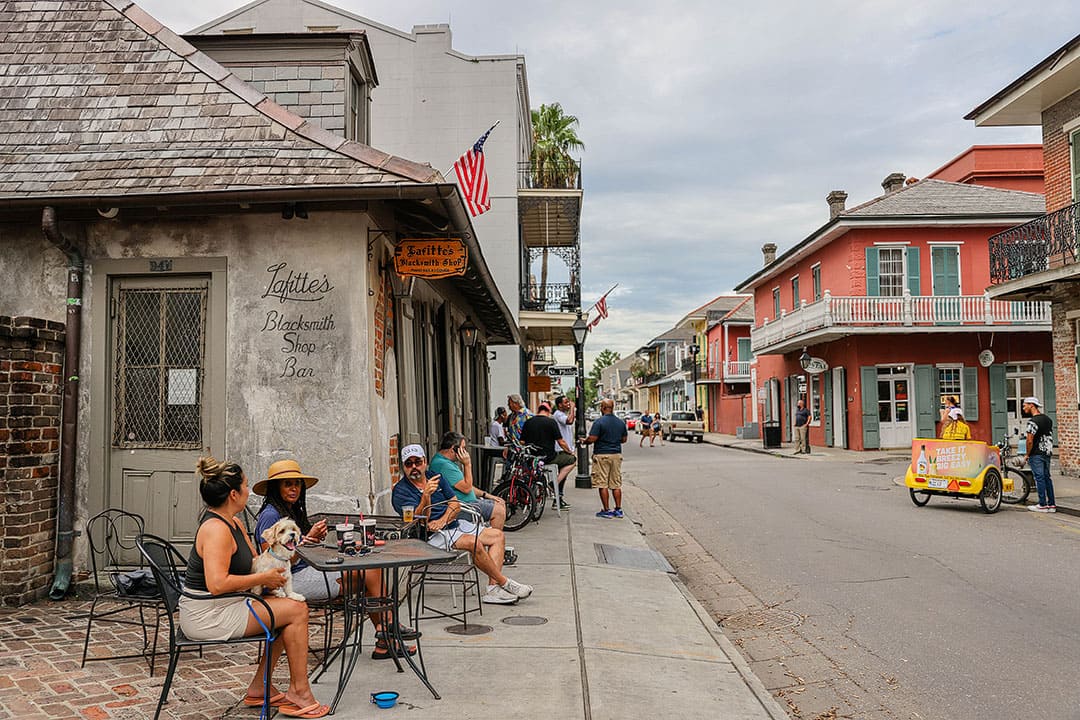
1066,487
615,641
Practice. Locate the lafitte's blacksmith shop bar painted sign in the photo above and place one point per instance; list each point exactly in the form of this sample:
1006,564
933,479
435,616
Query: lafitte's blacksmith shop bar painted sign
431,259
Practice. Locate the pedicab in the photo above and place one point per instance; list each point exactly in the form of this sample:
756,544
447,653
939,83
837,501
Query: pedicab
956,469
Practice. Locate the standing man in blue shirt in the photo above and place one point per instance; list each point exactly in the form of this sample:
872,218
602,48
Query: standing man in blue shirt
608,434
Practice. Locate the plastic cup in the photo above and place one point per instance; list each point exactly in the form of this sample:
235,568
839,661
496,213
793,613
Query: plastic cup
345,536
407,513
367,533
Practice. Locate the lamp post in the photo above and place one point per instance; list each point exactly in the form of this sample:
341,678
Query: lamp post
583,479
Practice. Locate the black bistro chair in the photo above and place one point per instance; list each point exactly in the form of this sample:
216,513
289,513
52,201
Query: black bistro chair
123,585
166,562
459,574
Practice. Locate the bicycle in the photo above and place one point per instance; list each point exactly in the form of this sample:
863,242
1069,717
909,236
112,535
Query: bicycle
523,487
1013,465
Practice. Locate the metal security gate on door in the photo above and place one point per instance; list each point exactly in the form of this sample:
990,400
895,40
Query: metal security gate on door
159,410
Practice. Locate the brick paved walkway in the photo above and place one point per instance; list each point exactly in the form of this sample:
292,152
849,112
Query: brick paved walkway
40,677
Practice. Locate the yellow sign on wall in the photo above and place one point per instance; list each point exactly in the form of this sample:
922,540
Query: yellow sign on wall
431,258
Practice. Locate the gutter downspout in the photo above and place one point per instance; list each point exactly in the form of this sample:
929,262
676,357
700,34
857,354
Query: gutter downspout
65,512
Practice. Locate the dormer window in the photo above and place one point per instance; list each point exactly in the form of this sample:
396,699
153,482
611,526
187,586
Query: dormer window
356,126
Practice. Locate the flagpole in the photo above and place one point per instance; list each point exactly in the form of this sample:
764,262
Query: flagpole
602,297
449,169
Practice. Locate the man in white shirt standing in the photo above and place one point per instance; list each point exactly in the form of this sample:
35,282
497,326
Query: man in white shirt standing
564,416
497,431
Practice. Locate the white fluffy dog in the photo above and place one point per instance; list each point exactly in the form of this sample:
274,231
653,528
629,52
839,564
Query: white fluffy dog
282,538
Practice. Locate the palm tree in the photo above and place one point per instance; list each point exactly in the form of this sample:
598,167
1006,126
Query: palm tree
554,136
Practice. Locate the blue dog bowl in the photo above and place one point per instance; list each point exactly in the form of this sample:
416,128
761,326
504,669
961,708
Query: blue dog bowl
384,699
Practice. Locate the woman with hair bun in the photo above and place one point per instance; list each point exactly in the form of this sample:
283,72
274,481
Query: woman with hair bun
220,562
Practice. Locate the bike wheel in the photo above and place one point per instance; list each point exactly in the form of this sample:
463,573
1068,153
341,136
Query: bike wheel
541,494
919,497
519,501
990,497
1022,484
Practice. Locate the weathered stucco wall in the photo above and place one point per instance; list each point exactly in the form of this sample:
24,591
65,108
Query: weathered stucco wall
34,274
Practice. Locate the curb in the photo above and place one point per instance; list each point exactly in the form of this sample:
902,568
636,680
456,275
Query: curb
744,448
1063,509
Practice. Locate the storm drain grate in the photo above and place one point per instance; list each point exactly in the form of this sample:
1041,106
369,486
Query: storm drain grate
629,557
525,620
768,619
468,629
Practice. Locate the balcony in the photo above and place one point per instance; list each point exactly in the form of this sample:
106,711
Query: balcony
1045,245
729,371
553,297
549,204
834,317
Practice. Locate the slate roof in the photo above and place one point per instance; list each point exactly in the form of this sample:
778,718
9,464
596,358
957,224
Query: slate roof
742,312
939,197
99,99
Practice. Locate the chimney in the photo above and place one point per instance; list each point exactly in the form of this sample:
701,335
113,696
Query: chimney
893,182
769,251
836,200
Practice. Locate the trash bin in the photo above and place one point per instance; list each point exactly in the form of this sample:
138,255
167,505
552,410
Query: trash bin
771,434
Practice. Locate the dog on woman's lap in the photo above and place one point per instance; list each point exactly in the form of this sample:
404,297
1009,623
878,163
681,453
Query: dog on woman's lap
282,538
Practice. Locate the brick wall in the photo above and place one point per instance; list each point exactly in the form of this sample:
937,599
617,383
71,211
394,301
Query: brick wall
1056,152
31,387
1065,340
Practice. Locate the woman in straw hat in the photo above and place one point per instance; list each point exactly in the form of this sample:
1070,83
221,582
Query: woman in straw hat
220,562
285,496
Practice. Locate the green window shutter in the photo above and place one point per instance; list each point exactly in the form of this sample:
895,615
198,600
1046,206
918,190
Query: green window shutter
1074,154
926,409
873,289
1049,400
969,386
999,407
913,271
871,434
826,407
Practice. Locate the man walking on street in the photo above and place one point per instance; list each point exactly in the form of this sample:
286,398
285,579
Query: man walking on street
1040,446
608,433
802,428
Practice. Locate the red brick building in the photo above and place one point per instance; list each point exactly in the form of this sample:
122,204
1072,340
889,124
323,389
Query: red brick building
1040,260
725,374
888,301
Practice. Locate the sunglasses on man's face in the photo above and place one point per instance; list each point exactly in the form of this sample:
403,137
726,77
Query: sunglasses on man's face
413,462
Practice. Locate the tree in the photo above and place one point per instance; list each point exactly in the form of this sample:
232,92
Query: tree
554,136
606,358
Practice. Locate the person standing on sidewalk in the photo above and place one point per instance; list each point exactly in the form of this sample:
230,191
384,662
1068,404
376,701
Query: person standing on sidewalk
1040,446
608,434
803,416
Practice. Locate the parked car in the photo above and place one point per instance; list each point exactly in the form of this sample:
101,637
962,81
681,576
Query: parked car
631,419
592,415
682,425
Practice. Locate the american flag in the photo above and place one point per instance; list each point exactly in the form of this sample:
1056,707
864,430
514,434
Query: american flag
601,310
472,177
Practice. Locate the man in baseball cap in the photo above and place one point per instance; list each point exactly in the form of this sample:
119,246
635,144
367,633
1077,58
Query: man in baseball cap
432,497
1040,446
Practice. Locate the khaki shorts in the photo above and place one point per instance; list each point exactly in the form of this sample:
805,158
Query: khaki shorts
646,432
607,471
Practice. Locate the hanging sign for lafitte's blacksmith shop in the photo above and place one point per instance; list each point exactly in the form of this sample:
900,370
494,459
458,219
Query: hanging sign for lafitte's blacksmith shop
431,258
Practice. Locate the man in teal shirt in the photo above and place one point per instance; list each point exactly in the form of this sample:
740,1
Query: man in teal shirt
453,462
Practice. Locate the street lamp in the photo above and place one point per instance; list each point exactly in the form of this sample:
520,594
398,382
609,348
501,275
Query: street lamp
581,330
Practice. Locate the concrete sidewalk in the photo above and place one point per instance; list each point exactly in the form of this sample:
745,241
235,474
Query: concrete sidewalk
615,642
1066,487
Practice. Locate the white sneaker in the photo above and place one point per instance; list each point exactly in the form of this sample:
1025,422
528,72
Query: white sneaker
1040,508
518,590
495,595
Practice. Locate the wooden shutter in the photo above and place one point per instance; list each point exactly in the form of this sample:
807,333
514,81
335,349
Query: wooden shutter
826,406
999,406
1049,399
969,386
873,288
926,403
871,434
913,271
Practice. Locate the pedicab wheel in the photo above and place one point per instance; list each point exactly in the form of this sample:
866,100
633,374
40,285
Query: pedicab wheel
1022,483
990,497
919,497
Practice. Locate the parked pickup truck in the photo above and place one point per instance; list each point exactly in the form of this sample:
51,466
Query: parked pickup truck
682,425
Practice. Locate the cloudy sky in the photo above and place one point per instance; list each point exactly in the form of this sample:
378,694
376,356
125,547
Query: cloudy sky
715,127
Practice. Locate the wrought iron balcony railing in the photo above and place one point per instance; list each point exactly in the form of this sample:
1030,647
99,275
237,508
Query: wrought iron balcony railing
1044,243
729,370
550,175
879,314
553,297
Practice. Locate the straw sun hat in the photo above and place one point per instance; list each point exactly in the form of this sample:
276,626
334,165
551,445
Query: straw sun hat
283,470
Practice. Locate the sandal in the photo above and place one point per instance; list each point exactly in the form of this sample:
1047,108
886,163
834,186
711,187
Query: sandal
382,651
311,711
407,633
275,700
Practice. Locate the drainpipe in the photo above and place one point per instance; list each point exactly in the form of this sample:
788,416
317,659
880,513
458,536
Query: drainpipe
65,512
